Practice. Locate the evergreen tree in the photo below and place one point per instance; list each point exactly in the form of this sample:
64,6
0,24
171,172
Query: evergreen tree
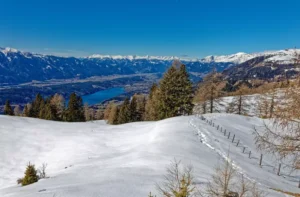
124,115
30,175
185,92
133,109
36,106
168,94
8,109
74,111
141,105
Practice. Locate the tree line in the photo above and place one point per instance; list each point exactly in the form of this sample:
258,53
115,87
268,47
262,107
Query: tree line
54,108
173,96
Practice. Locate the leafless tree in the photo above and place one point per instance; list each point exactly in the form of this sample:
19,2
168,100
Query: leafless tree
281,135
209,91
178,182
239,103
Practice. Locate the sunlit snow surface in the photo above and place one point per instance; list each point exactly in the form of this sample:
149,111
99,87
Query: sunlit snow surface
96,159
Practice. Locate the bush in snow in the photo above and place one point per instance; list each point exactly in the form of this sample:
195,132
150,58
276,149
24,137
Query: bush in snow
30,176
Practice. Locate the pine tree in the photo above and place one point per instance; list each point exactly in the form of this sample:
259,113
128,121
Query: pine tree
185,92
168,94
141,105
124,115
30,175
133,109
74,112
8,109
36,106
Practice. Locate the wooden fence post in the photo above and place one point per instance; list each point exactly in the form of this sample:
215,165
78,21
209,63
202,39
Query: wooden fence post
250,155
244,149
229,135
278,172
237,144
260,161
225,132
218,127
233,138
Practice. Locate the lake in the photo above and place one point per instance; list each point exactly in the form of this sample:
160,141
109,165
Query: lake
100,96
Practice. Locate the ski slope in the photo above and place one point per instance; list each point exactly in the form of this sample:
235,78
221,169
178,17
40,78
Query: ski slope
94,159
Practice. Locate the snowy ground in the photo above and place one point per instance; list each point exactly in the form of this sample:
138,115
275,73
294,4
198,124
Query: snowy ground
95,159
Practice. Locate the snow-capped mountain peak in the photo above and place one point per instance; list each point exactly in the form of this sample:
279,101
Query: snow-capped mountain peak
234,58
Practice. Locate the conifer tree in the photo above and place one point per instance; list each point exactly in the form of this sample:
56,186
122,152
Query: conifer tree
58,102
133,109
141,104
8,109
124,115
26,110
185,92
36,106
152,104
74,111
168,94
17,110
30,175
113,116
107,110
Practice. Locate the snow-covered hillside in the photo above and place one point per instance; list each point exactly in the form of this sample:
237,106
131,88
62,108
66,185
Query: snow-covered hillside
95,159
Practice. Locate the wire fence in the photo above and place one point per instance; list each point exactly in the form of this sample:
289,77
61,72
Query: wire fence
238,143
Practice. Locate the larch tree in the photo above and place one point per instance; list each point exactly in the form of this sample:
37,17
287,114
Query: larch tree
281,134
210,91
107,110
239,103
152,104
17,110
113,116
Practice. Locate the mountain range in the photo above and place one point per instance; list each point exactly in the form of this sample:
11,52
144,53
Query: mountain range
20,67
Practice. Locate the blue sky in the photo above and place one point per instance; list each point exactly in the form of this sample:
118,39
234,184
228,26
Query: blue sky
156,27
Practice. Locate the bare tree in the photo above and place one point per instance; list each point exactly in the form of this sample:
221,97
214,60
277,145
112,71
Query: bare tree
281,136
227,182
239,103
42,171
209,91
178,182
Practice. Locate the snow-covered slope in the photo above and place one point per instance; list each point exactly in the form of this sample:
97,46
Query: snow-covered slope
94,159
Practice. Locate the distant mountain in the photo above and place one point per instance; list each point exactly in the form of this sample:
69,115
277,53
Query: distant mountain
266,66
19,67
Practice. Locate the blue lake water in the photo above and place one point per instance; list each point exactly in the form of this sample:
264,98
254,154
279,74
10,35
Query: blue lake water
102,95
